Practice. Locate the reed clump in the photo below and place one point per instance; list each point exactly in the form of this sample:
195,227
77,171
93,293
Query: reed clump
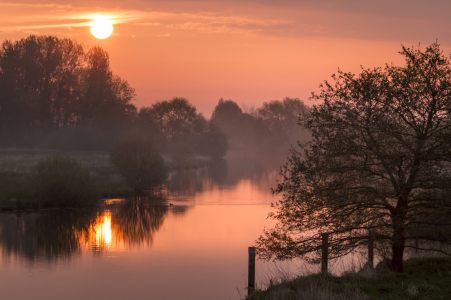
60,180
140,164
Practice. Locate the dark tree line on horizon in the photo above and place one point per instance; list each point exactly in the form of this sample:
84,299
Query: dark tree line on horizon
48,84
58,94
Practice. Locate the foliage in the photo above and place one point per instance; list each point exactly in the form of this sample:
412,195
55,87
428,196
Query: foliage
265,130
173,118
212,142
425,278
49,83
60,180
281,117
379,160
227,116
140,163
176,127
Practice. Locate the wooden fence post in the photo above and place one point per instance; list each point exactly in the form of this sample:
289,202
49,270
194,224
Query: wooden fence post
325,252
371,248
251,272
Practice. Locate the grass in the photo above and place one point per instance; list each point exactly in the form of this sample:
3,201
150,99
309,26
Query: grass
423,279
21,161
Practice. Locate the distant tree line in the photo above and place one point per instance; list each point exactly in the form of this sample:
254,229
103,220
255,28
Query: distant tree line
57,94
270,129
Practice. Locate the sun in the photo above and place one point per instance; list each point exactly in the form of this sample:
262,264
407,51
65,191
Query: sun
101,28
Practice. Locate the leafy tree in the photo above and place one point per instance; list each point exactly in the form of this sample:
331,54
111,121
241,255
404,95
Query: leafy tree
379,160
107,98
182,130
49,83
39,77
281,117
212,142
227,116
173,118
238,127
140,163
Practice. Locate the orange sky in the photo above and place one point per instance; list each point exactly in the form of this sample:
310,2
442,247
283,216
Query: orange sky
249,51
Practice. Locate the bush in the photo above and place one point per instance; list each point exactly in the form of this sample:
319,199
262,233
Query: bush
61,181
140,163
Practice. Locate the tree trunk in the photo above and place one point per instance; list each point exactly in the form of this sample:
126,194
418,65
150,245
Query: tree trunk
398,245
397,258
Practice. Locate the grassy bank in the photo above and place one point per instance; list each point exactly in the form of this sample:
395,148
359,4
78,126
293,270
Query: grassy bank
16,190
423,278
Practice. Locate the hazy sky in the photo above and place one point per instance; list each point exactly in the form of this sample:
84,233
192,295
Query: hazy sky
249,51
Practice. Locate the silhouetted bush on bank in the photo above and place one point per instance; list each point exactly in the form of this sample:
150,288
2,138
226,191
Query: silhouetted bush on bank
140,163
60,180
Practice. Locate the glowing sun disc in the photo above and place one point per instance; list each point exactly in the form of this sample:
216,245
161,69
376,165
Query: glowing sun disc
101,28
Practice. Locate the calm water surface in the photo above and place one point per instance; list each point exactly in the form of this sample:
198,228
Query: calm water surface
195,249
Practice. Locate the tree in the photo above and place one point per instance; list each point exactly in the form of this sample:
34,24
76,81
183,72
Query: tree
281,117
107,98
48,83
39,78
139,163
227,116
212,142
379,159
174,118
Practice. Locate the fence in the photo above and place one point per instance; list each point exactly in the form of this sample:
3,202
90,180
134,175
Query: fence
324,258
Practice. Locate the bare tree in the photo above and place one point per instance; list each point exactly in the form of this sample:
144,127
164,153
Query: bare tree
379,159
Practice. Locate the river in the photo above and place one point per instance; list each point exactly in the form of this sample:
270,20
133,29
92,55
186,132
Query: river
194,245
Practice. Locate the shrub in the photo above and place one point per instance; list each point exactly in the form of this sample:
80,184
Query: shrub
61,181
140,163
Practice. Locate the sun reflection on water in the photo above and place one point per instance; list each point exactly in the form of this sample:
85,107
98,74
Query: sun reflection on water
101,233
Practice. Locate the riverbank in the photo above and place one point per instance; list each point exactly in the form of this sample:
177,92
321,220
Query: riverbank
16,190
423,278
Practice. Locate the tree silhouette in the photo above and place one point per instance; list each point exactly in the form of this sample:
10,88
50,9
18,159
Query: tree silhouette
281,118
379,160
48,83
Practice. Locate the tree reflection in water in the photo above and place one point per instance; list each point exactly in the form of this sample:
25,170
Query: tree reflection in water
44,235
136,221
262,172
55,234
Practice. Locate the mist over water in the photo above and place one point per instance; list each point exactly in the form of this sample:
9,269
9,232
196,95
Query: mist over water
195,249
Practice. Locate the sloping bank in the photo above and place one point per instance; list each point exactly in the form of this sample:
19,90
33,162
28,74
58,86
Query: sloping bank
423,278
